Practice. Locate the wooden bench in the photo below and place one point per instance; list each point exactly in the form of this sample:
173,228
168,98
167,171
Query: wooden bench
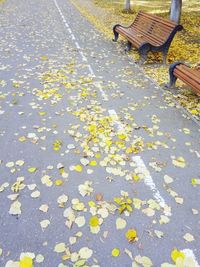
148,33
190,76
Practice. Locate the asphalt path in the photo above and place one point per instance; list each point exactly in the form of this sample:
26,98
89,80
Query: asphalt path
67,95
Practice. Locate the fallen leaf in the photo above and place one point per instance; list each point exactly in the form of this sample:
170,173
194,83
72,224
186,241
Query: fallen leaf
15,208
45,223
131,235
115,252
32,169
85,253
188,237
80,221
120,224
26,262
59,248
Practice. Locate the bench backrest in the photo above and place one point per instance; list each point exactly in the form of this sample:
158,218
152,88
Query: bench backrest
153,27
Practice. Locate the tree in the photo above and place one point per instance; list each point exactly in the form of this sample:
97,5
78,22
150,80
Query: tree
127,5
175,11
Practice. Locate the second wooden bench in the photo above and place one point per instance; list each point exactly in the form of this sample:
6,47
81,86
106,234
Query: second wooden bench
190,76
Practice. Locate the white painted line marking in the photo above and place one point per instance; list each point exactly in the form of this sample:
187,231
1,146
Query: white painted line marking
66,25
104,96
148,180
115,119
91,70
78,47
190,254
73,37
83,57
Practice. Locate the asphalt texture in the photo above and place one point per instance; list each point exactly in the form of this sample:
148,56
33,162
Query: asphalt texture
66,94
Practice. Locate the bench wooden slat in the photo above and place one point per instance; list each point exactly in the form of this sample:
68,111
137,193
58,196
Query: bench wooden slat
164,21
191,83
188,72
135,34
156,39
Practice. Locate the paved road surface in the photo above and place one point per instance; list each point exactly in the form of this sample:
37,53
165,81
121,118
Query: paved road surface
66,95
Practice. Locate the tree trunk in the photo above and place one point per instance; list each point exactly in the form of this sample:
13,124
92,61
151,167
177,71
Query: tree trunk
175,11
127,5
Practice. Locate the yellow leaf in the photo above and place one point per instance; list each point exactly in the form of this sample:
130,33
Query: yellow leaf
135,177
131,235
78,168
175,254
93,163
122,136
179,162
94,221
22,138
59,182
194,112
115,252
44,58
91,203
32,169
42,113
129,150
26,262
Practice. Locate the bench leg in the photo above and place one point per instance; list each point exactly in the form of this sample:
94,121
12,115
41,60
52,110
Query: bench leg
173,79
116,35
128,47
165,52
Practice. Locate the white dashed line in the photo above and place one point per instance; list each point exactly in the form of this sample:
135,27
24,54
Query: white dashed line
148,180
98,85
78,47
115,119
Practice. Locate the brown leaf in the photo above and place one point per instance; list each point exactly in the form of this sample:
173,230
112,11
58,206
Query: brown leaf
99,197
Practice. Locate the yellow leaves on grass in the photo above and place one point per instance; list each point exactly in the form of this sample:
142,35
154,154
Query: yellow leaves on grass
26,262
131,235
